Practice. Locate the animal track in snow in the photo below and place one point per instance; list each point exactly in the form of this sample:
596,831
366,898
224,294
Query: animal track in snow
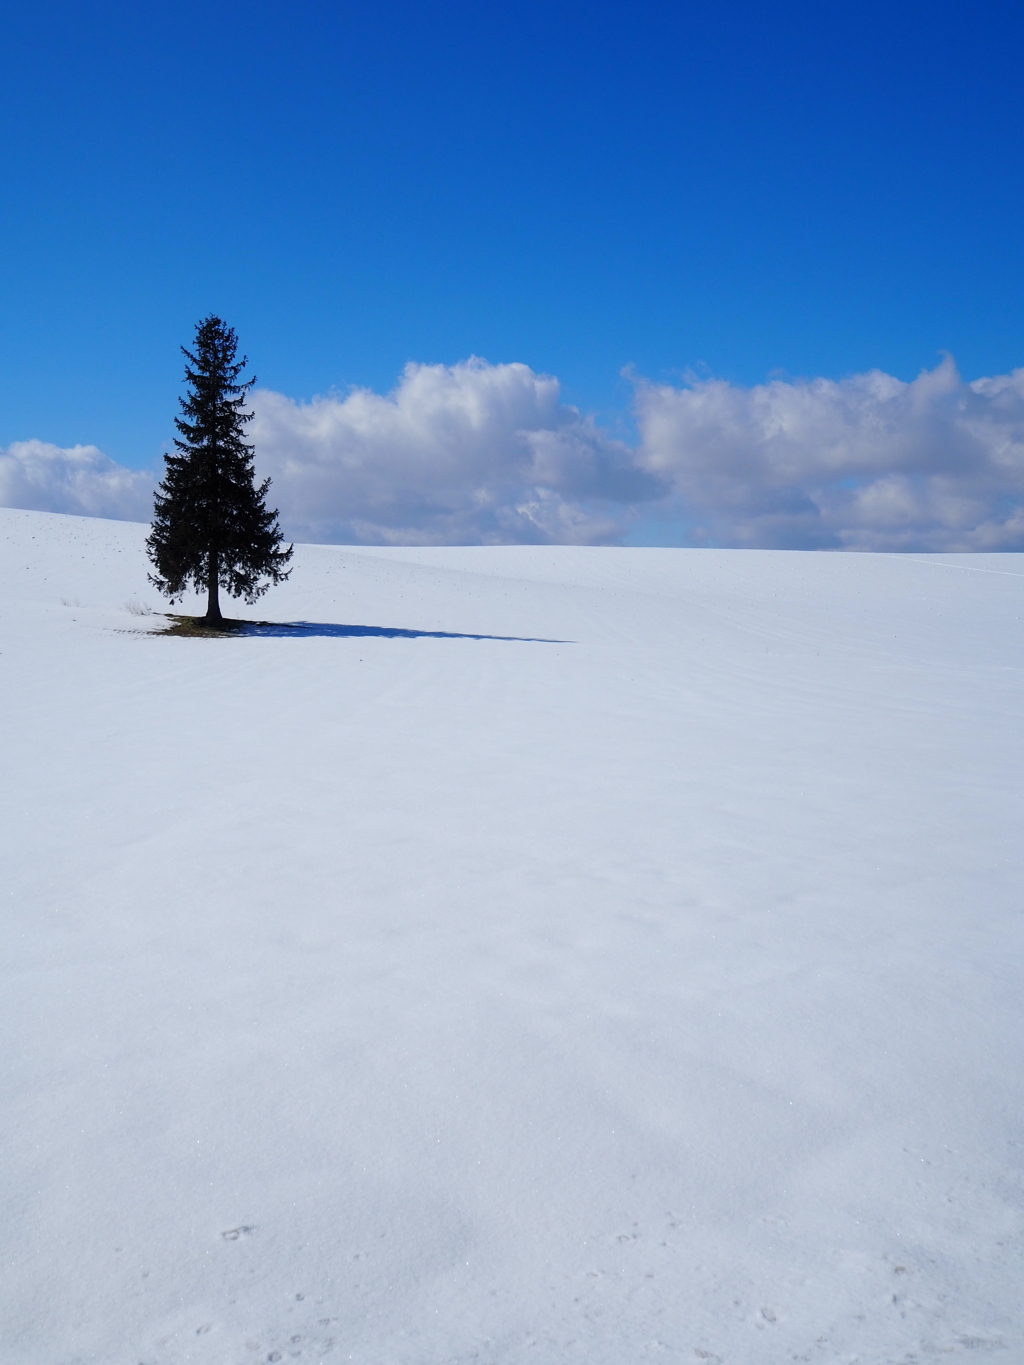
233,1234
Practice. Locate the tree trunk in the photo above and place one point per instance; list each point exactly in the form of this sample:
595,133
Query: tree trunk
213,590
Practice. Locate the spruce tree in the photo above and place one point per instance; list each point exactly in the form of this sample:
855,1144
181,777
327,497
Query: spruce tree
211,527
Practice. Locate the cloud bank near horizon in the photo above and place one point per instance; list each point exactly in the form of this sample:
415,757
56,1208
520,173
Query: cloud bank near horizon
468,453
863,463
476,453
40,477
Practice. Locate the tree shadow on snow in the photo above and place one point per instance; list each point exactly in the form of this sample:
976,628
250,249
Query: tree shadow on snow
307,629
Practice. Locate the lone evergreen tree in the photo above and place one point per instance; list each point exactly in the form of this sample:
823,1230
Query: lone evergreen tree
211,527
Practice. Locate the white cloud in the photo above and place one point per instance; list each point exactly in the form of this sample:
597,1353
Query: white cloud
479,453
81,480
867,462
468,453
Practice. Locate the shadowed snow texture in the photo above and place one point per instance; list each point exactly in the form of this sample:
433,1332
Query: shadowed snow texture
600,955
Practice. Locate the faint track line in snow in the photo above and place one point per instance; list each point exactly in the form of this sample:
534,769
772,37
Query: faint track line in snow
967,568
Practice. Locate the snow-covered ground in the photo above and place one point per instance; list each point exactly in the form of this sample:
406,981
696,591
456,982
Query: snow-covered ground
547,955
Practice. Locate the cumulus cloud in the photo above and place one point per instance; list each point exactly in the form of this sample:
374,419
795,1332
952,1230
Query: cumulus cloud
866,463
477,453
81,480
467,453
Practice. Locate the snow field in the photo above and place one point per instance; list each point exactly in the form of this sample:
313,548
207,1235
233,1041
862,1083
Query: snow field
647,985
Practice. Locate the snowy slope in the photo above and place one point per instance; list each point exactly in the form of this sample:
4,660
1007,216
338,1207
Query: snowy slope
645,986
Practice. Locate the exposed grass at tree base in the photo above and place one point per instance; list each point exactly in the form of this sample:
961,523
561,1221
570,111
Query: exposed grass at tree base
200,628
197,627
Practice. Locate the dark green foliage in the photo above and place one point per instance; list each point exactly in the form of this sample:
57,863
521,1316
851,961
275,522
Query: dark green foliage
211,527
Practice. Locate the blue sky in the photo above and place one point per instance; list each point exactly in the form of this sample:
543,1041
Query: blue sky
739,189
